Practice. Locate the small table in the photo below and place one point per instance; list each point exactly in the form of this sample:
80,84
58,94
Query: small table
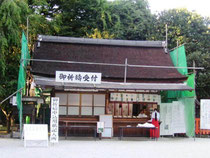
134,127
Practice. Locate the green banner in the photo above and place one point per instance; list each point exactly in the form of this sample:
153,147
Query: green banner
22,74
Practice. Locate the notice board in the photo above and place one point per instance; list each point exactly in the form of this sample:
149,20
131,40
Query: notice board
205,114
172,118
35,135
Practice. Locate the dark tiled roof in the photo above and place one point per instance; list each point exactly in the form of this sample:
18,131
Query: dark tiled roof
105,54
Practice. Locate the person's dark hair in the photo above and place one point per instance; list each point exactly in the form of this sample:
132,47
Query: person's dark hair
141,111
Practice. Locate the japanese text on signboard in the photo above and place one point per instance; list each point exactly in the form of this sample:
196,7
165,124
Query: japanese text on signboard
54,119
205,114
132,97
78,77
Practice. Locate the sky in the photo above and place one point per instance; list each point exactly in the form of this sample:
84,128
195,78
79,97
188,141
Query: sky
199,6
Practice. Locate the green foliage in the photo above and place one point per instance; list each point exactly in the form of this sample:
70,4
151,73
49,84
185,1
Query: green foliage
123,19
12,13
100,35
202,76
81,17
193,30
132,19
45,8
43,19
184,27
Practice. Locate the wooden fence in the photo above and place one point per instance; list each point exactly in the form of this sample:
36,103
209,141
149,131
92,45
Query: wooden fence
199,131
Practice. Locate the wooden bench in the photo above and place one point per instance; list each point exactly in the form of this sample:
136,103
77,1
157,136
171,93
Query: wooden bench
75,126
68,124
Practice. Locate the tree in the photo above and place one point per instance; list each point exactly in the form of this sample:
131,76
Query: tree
193,30
46,8
202,76
122,19
43,18
81,17
184,27
131,19
13,17
100,35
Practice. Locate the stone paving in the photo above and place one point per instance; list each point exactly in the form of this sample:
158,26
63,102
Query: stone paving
77,147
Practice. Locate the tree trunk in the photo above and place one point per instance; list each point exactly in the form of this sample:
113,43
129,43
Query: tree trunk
8,123
8,119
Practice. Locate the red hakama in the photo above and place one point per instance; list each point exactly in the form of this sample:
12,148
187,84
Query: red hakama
155,133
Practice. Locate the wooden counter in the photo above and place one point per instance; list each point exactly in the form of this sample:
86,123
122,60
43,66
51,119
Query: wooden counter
90,121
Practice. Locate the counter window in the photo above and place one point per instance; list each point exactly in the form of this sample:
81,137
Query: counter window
81,104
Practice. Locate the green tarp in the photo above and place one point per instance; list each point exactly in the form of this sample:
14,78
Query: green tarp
173,95
22,74
178,58
189,112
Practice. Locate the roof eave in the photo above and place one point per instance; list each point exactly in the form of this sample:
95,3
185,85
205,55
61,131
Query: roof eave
43,81
133,43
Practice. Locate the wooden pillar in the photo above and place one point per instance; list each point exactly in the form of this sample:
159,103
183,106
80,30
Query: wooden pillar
33,113
93,105
107,102
80,104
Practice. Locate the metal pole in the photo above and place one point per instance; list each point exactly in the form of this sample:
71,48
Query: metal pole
11,95
194,97
27,28
74,62
125,74
109,64
165,67
177,53
166,37
21,117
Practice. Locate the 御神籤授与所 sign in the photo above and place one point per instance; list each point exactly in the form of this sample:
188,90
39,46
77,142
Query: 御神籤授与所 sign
78,77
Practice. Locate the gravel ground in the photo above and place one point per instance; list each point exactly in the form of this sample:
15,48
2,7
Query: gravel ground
110,148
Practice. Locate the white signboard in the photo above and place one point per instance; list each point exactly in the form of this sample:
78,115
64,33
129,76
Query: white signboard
205,114
166,119
178,120
54,126
100,127
35,135
14,100
108,125
78,77
172,118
